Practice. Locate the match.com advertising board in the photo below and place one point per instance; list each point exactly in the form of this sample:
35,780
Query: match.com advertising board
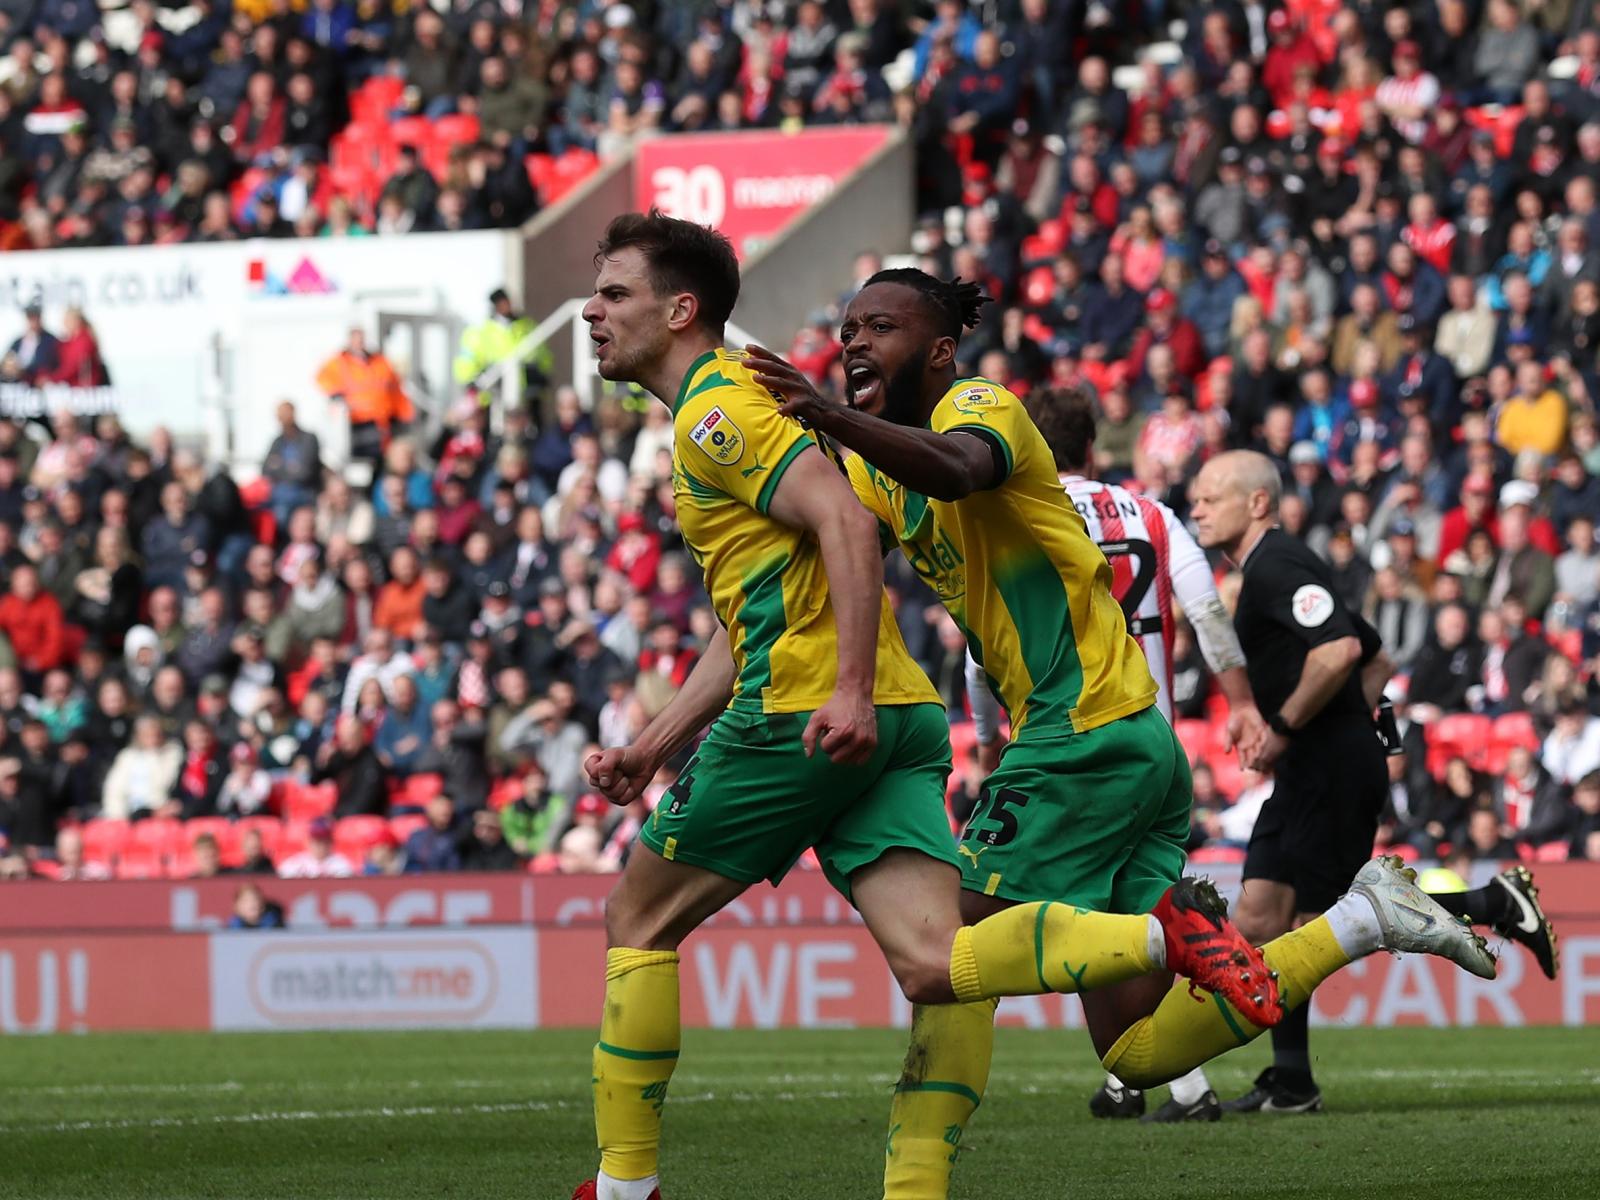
497,951
749,186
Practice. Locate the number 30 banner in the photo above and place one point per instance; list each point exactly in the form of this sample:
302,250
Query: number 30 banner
749,185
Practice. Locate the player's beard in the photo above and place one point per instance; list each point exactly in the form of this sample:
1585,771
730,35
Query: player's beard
902,393
631,364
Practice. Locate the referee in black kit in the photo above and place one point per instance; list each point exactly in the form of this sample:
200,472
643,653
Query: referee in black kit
1317,671
1303,654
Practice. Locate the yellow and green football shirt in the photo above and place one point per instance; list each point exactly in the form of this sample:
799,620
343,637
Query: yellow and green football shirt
1016,568
766,580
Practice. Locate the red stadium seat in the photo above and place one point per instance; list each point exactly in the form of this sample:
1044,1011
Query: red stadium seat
306,802
403,827
1439,755
419,789
571,169
541,170
1195,736
140,862
159,835
1516,729
1217,854
352,836
1464,729
1569,642
1038,286
507,791
457,129
104,839
1228,773
373,101
1553,852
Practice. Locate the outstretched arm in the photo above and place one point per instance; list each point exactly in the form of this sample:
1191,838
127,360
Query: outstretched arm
944,466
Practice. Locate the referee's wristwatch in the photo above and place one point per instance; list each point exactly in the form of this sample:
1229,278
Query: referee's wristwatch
1279,726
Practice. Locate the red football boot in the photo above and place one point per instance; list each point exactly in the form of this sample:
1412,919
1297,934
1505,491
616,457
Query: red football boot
1203,945
586,1191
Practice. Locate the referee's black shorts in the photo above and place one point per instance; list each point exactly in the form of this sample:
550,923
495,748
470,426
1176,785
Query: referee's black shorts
1317,828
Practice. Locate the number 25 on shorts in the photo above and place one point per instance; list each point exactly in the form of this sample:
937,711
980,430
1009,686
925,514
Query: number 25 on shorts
994,809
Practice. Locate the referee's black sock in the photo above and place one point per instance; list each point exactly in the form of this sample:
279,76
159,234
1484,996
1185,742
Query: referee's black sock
1291,1050
1482,906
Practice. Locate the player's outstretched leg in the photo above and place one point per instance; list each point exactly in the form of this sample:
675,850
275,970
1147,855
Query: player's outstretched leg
1509,905
1383,910
1049,947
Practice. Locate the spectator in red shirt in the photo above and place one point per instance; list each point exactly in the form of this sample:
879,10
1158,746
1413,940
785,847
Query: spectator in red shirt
1164,326
1429,235
1476,511
1290,50
31,618
258,123
637,552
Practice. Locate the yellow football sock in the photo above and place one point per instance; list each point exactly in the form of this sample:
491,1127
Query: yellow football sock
946,1071
1048,947
1187,1030
634,1060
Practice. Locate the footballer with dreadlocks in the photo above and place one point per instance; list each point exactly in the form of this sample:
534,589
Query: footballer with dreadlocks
1090,801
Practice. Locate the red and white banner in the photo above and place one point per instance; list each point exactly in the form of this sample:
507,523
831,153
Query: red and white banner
749,185
513,951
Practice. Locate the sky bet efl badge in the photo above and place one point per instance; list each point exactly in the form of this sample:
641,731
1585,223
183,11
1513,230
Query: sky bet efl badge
718,437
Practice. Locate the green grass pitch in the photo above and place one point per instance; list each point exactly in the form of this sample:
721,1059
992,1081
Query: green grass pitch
1491,1113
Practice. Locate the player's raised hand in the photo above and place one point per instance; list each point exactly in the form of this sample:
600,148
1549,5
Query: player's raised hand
801,399
620,774
846,728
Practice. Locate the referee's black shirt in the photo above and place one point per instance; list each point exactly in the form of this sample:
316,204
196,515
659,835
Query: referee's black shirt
1287,605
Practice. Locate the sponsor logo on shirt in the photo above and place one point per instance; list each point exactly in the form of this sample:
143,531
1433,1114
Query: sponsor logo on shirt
719,437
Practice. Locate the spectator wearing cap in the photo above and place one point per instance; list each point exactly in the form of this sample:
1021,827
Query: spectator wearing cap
1309,480
1522,569
1220,207
1535,416
319,860
1408,95
1209,299
1166,327
1475,512
1421,373
351,764
36,352
1368,424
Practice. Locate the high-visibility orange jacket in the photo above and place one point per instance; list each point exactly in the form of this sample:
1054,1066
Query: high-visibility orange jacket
371,390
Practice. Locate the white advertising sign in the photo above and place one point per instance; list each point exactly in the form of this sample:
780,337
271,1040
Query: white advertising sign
436,978
175,322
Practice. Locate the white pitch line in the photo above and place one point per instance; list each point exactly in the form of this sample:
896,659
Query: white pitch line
1447,1079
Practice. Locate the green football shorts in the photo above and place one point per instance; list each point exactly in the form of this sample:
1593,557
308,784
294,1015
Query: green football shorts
750,803
1097,819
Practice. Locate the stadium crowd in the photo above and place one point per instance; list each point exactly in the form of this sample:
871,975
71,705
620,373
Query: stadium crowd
1360,239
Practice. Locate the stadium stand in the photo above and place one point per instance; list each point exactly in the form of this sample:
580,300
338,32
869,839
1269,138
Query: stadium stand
1362,240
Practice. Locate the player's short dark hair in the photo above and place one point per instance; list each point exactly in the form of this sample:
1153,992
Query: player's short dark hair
956,302
682,257
1066,418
